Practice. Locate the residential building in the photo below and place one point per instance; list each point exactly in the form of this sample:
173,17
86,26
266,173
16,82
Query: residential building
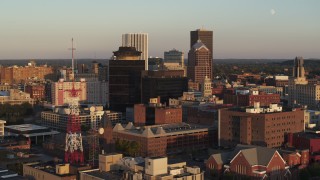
125,79
263,126
140,42
18,74
163,83
160,140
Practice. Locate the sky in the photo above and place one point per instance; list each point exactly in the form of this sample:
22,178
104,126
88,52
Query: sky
266,29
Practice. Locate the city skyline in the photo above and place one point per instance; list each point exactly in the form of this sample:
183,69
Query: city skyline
246,29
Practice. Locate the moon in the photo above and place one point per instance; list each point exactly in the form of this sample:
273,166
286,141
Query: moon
272,12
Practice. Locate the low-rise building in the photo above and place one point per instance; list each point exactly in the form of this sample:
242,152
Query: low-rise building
160,140
39,171
58,118
6,174
249,161
15,96
140,169
156,113
306,140
31,131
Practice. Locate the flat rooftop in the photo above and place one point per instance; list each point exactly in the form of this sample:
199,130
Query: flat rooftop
104,175
308,135
161,130
28,130
49,168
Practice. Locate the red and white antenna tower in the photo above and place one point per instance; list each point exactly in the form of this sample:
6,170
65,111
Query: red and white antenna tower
73,148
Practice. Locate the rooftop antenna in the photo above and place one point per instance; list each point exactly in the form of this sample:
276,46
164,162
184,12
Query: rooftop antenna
72,50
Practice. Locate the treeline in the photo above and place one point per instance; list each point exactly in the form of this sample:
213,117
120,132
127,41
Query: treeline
14,114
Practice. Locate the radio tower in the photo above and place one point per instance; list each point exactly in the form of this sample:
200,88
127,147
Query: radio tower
74,148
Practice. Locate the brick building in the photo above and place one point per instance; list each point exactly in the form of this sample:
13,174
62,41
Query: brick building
249,97
159,140
36,91
156,113
306,140
259,126
18,74
250,161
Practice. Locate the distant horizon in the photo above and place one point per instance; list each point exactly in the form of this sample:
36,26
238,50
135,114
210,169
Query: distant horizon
247,29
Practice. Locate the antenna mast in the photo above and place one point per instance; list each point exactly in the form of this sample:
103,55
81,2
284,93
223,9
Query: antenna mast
72,66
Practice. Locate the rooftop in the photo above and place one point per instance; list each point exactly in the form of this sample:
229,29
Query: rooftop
103,174
29,130
49,168
160,130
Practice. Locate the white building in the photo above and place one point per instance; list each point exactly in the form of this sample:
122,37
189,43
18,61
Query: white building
140,42
60,91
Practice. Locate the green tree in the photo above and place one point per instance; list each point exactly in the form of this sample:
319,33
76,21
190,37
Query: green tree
304,174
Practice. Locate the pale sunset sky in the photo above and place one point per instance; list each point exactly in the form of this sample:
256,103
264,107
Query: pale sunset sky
42,29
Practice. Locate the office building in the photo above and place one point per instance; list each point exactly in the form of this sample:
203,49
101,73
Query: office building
166,84
262,126
174,60
140,42
300,90
125,78
60,91
58,118
156,113
206,38
199,62
159,140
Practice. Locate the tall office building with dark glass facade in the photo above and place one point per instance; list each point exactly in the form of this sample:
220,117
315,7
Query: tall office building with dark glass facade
166,84
125,78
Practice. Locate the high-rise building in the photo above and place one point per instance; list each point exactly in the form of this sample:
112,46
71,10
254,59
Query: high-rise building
60,94
302,91
174,56
140,42
125,78
166,84
206,38
199,62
